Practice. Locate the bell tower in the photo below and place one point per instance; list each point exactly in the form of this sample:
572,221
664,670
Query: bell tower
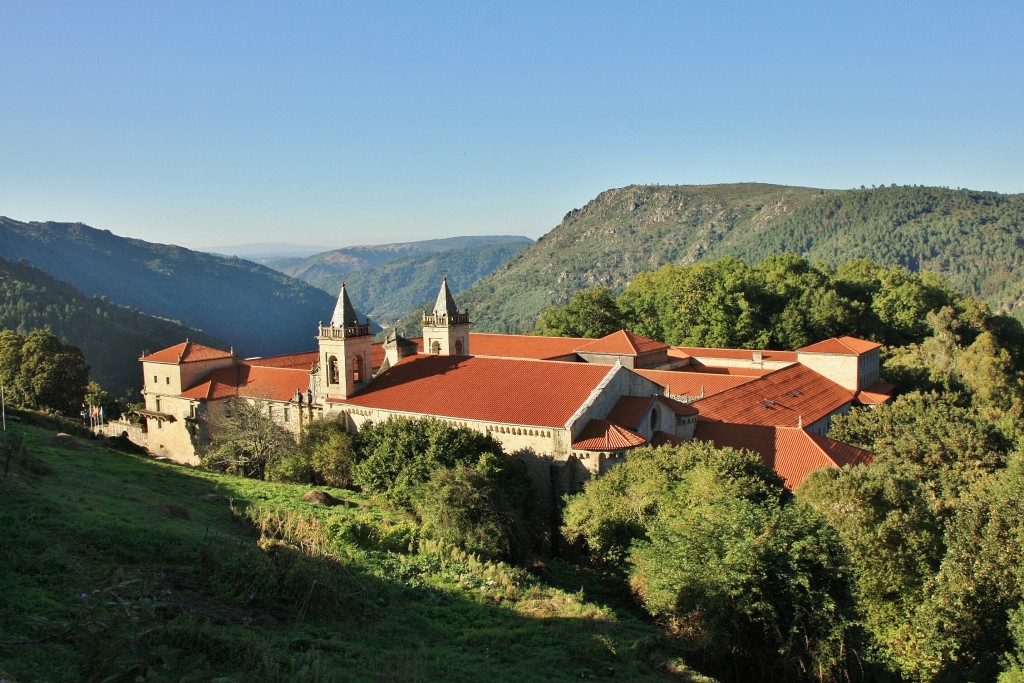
345,351
445,330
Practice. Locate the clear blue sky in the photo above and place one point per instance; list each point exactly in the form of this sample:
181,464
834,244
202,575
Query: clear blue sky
211,123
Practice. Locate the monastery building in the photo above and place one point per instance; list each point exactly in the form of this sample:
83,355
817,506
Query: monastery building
568,407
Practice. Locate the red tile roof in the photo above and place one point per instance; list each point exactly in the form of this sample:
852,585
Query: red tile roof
276,384
692,383
879,392
505,390
726,370
629,411
600,435
844,346
304,361
734,354
680,408
780,398
623,343
522,346
793,453
186,352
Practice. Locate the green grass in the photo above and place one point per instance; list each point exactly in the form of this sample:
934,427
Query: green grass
112,564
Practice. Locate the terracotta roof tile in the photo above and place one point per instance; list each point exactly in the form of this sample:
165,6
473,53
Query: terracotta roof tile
522,346
793,453
843,346
304,361
629,411
678,407
693,383
735,354
505,390
780,398
725,370
187,352
600,435
879,392
622,342
276,384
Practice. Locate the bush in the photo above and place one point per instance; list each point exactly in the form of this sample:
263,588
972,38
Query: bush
486,509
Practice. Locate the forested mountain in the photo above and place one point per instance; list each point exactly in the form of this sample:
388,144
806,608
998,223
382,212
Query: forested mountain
386,292
111,337
974,239
257,309
327,270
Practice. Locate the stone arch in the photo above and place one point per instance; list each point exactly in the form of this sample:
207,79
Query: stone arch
357,369
435,347
332,370
458,347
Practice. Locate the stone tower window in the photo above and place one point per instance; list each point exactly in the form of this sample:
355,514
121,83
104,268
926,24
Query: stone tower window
357,369
458,347
332,370
435,347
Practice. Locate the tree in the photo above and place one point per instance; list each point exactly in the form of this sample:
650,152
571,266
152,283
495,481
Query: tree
969,622
715,547
398,455
942,442
760,590
247,439
329,450
616,509
486,508
885,521
40,372
590,313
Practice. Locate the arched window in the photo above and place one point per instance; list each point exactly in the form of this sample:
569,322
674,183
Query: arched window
332,370
458,347
655,419
435,347
357,369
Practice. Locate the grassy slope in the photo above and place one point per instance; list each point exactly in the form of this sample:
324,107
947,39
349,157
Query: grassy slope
96,574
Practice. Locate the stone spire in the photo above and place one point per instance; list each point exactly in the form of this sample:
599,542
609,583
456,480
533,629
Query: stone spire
445,304
344,312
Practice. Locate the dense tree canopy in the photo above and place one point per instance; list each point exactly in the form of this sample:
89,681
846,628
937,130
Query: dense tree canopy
38,371
714,546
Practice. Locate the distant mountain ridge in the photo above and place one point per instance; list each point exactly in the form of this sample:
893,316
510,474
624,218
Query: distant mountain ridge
327,270
111,337
975,239
259,310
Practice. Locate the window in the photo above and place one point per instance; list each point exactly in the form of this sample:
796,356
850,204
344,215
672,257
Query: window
435,347
285,410
168,380
655,419
332,370
458,347
357,369
155,380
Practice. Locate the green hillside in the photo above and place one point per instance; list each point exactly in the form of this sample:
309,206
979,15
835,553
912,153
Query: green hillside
973,238
111,337
257,309
117,566
386,292
328,269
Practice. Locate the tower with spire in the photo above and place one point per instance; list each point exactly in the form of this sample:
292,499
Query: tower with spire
445,329
345,351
